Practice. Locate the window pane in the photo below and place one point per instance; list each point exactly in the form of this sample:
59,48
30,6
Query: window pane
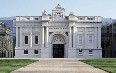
35,51
25,51
36,39
90,52
80,50
80,39
90,39
36,19
26,39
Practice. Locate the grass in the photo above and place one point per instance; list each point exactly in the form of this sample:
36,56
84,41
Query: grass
108,65
8,65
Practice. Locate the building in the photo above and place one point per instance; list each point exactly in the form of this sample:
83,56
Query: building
58,36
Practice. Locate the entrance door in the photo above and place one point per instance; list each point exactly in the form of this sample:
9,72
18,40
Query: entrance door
58,50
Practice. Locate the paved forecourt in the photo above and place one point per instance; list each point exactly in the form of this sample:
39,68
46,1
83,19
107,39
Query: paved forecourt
58,66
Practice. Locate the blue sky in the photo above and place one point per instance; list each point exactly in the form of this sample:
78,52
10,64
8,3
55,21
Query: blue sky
104,8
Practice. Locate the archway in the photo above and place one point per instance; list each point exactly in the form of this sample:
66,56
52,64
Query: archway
58,45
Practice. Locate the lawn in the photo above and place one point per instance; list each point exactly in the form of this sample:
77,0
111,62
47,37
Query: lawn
108,65
8,65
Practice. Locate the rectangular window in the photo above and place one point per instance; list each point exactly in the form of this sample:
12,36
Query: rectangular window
36,18
35,51
28,18
80,51
90,52
25,51
80,39
26,39
90,40
36,39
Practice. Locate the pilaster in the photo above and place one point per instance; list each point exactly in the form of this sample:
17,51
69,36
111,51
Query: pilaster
31,40
74,35
85,42
17,37
21,37
95,36
46,36
70,37
99,37
43,37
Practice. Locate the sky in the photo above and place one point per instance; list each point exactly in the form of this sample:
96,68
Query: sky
104,8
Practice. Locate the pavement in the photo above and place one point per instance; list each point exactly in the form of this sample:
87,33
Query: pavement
58,66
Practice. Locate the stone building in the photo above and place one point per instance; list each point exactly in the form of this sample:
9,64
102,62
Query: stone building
58,36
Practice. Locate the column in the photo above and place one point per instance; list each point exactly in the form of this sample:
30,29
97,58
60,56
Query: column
46,36
31,38
21,37
43,37
86,41
17,37
95,36
70,37
99,37
74,34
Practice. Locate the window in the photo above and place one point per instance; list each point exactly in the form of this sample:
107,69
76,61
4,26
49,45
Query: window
90,52
81,18
36,19
80,39
80,51
26,39
36,39
35,51
25,51
28,18
90,40
90,18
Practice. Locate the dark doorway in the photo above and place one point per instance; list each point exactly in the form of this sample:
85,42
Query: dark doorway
58,50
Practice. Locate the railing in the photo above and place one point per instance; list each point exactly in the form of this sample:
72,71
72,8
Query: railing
28,18
89,19
77,18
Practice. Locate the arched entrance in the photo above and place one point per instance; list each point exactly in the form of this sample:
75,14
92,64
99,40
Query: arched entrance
58,44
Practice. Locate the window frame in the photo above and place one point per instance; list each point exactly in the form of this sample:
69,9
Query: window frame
90,40
35,52
36,39
27,39
80,40
80,52
90,52
36,18
26,53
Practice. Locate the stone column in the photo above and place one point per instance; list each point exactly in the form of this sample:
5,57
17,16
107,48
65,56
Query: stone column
17,37
46,36
21,37
43,37
74,35
99,37
70,37
31,38
86,41
95,36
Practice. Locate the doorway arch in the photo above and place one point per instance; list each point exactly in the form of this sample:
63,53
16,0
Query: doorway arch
58,46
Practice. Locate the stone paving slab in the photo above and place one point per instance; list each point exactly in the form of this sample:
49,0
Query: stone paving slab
58,66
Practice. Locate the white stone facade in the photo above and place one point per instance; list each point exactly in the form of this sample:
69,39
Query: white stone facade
58,36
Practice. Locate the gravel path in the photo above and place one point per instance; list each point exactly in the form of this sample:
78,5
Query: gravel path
58,66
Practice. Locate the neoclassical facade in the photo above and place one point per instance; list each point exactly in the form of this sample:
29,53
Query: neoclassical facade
58,36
